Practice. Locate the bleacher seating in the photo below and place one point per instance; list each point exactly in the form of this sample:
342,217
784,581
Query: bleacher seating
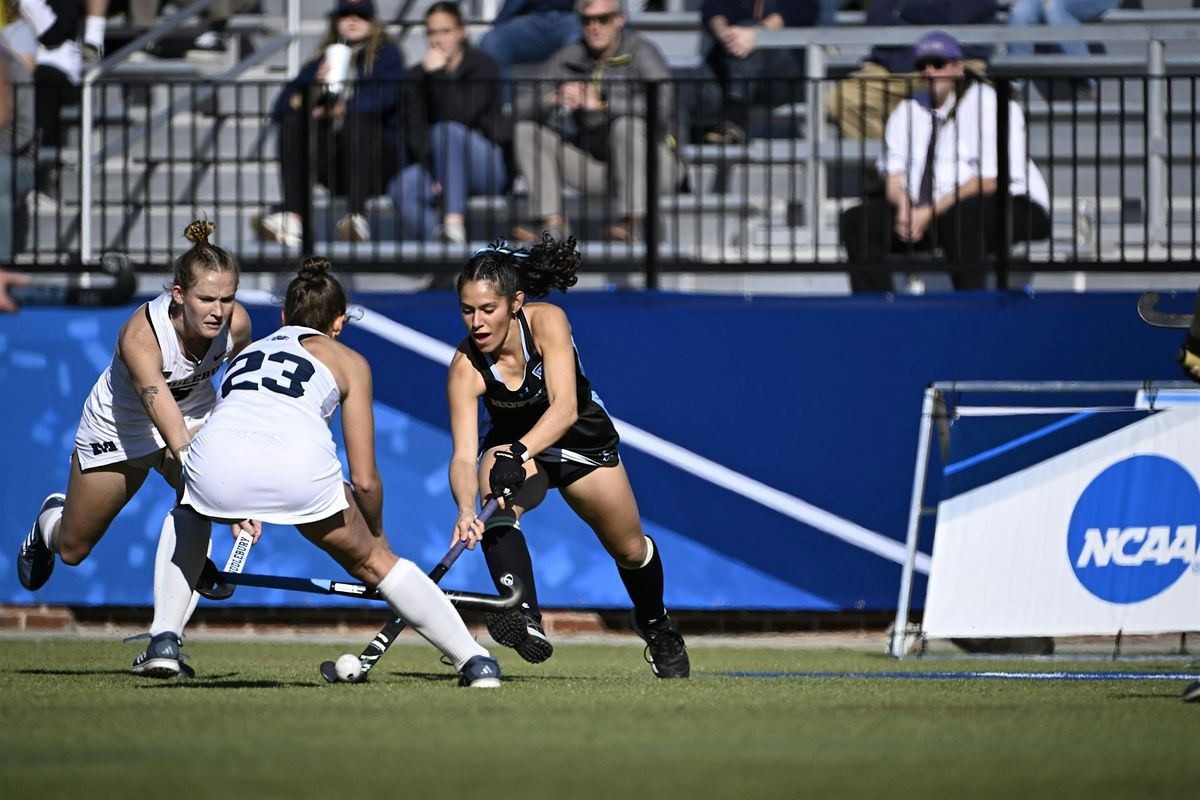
756,206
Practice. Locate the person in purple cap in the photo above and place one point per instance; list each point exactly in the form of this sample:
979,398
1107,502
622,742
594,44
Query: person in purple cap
861,102
353,121
940,170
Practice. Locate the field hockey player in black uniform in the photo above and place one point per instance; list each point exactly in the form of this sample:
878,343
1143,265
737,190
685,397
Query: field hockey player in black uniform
548,431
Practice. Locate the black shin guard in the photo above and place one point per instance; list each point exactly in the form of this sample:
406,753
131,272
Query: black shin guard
506,552
645,587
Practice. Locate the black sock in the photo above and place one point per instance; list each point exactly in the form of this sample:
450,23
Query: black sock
505,551
645,587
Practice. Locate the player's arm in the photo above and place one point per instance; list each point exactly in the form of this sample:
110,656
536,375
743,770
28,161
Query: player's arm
239,330
138,348
552,336
358,430
464,387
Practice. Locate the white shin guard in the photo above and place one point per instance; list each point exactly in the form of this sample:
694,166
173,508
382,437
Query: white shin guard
182,548
413,596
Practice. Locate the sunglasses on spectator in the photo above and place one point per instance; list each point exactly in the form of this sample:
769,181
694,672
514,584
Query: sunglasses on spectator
936,63
599,19
345,14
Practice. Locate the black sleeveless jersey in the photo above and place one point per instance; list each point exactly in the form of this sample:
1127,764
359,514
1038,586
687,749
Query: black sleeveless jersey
513,413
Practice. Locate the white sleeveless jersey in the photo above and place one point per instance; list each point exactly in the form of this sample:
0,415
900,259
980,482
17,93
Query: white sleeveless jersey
266,452
114,425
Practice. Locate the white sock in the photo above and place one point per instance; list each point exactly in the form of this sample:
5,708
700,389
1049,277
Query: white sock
48,523
181,551
411,594
93,30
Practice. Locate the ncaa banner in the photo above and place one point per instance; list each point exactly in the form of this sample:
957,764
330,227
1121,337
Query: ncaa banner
1075,538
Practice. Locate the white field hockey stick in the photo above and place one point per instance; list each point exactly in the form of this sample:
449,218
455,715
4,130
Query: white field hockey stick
215,589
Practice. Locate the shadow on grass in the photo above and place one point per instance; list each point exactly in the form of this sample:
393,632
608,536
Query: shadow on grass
437,677
223,682
71,672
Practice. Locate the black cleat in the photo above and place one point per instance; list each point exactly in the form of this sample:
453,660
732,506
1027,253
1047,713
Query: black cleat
160,659
35,561
517,628
1192,693
665,650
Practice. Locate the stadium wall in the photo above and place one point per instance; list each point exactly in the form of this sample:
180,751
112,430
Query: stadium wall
770,440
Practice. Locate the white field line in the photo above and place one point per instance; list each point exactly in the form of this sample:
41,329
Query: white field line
679,457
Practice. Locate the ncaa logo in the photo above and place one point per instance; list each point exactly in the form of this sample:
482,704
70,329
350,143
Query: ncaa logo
1133,531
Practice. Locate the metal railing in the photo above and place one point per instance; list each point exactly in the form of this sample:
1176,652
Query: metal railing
770,204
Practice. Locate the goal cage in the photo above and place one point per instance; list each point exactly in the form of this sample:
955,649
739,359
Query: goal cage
1062,509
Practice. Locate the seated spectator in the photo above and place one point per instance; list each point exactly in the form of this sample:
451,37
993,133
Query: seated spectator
746,72
1058,12
860,103
56,80
529,32
589,131
16,148
352,123
17,35
456,130
940,168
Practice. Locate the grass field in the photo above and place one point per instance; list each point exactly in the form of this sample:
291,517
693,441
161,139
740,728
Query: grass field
590,723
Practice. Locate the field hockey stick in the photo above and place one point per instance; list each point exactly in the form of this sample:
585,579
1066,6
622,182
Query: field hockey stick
75,292
509,596
388,633
1160,319
216,585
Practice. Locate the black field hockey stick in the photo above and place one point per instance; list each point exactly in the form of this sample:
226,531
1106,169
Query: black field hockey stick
216,585
1160,319
388,633
116,285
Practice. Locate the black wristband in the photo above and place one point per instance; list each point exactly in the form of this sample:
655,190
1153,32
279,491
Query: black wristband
519,450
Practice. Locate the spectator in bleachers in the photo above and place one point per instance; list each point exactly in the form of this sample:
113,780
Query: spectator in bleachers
589,131
529,32
95,24
860,103
16,147
456,131
1058,12
18,35
353,123
56,79
746,72
940,167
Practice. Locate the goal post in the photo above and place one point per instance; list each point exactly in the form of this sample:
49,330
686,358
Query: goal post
1053,518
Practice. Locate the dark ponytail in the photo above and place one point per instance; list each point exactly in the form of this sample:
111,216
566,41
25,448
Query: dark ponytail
314,297
549,264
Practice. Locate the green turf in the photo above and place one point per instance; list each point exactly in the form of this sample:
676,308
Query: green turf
590,723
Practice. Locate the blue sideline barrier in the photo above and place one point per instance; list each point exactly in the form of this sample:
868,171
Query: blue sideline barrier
811,405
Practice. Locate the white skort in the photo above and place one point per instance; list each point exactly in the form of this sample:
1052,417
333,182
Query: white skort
274,477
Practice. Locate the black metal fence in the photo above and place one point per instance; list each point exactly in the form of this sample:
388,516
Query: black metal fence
743,179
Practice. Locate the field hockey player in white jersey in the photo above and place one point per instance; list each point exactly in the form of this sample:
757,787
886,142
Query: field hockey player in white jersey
267,454
143,410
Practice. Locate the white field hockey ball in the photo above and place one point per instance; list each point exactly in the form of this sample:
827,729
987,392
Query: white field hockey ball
348,667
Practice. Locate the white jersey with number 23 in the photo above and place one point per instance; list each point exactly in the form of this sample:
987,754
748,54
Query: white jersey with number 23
266,452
